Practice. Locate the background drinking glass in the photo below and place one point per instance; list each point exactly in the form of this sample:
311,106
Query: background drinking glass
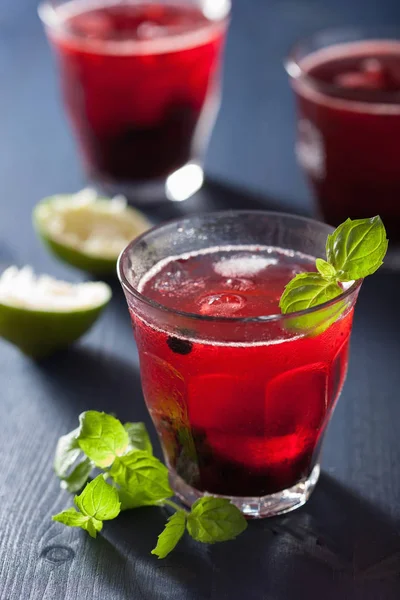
140,82
347,86
240,404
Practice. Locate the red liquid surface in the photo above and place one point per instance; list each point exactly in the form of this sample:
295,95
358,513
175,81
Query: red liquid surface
135,79
349,131
238,419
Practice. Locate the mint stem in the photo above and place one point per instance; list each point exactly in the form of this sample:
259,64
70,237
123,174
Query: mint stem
168,502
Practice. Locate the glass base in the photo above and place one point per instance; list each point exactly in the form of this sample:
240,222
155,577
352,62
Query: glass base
256,508
177,187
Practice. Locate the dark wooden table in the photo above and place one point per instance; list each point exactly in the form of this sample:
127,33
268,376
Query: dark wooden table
345,544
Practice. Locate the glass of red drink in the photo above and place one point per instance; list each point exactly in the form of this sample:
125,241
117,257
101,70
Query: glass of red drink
240,400
141,84
347,87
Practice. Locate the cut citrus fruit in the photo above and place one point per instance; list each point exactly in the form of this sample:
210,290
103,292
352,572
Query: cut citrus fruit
87,231
40,314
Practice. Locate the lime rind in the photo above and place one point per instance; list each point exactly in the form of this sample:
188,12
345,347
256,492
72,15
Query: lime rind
87,231
79,260
38,331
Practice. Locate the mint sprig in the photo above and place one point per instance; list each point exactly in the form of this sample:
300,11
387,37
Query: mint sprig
134,478
210,520
354,250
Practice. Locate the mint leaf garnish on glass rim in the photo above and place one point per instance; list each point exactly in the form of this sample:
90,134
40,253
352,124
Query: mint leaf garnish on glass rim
354,250
357,248
135,478
307,290
325,269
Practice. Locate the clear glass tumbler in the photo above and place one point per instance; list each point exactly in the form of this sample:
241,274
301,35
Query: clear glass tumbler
141,84
347,88
240,404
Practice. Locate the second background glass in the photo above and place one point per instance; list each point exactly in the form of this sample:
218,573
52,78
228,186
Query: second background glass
347,87
141,85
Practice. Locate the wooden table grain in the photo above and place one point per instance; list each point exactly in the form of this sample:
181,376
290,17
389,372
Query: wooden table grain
345,543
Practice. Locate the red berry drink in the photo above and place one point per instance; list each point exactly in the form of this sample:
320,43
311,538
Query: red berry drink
140,83
239,395
238,419
348,97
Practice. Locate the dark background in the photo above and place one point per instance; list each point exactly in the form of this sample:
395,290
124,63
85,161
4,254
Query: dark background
345,544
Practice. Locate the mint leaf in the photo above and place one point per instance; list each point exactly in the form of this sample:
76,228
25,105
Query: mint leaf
215,520
138,437
325,269
97,503
307,290
67,453
168,539
143,477
72,518
102,437
132,500
357,248
78,476
127,500
93,526
317,322
99,500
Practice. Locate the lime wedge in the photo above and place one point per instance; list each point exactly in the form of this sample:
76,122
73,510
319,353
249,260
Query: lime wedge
41,314
87,231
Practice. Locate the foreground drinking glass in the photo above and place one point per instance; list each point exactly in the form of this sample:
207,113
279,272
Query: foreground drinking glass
239,398
140,82
347,86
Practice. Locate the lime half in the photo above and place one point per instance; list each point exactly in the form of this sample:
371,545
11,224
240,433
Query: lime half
87,231
41,314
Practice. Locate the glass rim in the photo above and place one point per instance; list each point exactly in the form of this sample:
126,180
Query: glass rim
128,287
374,34
47,13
